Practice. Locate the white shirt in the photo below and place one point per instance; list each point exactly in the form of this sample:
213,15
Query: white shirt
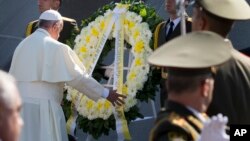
175,21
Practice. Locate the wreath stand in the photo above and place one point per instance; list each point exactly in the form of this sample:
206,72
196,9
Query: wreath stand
109,85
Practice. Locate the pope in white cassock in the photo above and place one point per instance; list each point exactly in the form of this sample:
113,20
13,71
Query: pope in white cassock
41,66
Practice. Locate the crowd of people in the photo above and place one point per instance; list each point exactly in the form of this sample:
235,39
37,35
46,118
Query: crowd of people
205,80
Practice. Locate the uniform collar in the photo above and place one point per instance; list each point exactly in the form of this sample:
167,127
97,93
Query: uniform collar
178,108
199,115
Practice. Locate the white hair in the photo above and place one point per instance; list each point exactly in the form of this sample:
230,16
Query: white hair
7,87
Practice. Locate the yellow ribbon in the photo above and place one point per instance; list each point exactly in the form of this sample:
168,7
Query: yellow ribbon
121,122
71,122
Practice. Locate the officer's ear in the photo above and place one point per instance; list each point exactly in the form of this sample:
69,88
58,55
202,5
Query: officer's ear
206,87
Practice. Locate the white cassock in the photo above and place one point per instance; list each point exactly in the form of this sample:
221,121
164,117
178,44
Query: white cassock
41,66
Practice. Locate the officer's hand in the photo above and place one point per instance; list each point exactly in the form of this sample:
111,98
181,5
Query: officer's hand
214,129
115,98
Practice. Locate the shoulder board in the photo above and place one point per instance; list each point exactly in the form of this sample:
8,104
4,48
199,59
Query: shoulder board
68,19
177,120
29,27
195,121
156,34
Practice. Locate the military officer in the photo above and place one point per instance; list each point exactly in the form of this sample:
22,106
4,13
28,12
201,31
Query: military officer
190,83
232,82
69,25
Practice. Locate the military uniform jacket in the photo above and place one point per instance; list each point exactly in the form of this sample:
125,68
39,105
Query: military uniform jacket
177,122
69,26
160,32
232,89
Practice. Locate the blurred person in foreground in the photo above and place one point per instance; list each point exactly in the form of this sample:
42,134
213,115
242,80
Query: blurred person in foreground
232,82
10,107
190,85
42,66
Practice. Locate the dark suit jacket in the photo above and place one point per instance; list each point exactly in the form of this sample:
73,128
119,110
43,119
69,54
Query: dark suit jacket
232,90
176,122
160,39
69,25
160,32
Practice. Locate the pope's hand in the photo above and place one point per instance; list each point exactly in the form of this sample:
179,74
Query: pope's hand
214,129
115,98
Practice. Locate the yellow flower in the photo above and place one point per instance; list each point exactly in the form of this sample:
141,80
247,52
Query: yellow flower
99,106
139,46
83,49
87,39
131,24
138,62
89,104
94,31
102,25
136,34
107,105
132,76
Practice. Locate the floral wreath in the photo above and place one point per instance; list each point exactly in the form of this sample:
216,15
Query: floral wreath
139,36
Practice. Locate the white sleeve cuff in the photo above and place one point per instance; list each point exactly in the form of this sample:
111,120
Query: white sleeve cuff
105,93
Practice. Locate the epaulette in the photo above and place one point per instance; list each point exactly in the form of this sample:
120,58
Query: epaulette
181,122
29,28
68,19
156,34
195,121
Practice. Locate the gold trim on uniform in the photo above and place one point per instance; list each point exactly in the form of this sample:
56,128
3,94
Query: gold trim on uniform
156,34
195,121
185,125
175,119
174,136
29,28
